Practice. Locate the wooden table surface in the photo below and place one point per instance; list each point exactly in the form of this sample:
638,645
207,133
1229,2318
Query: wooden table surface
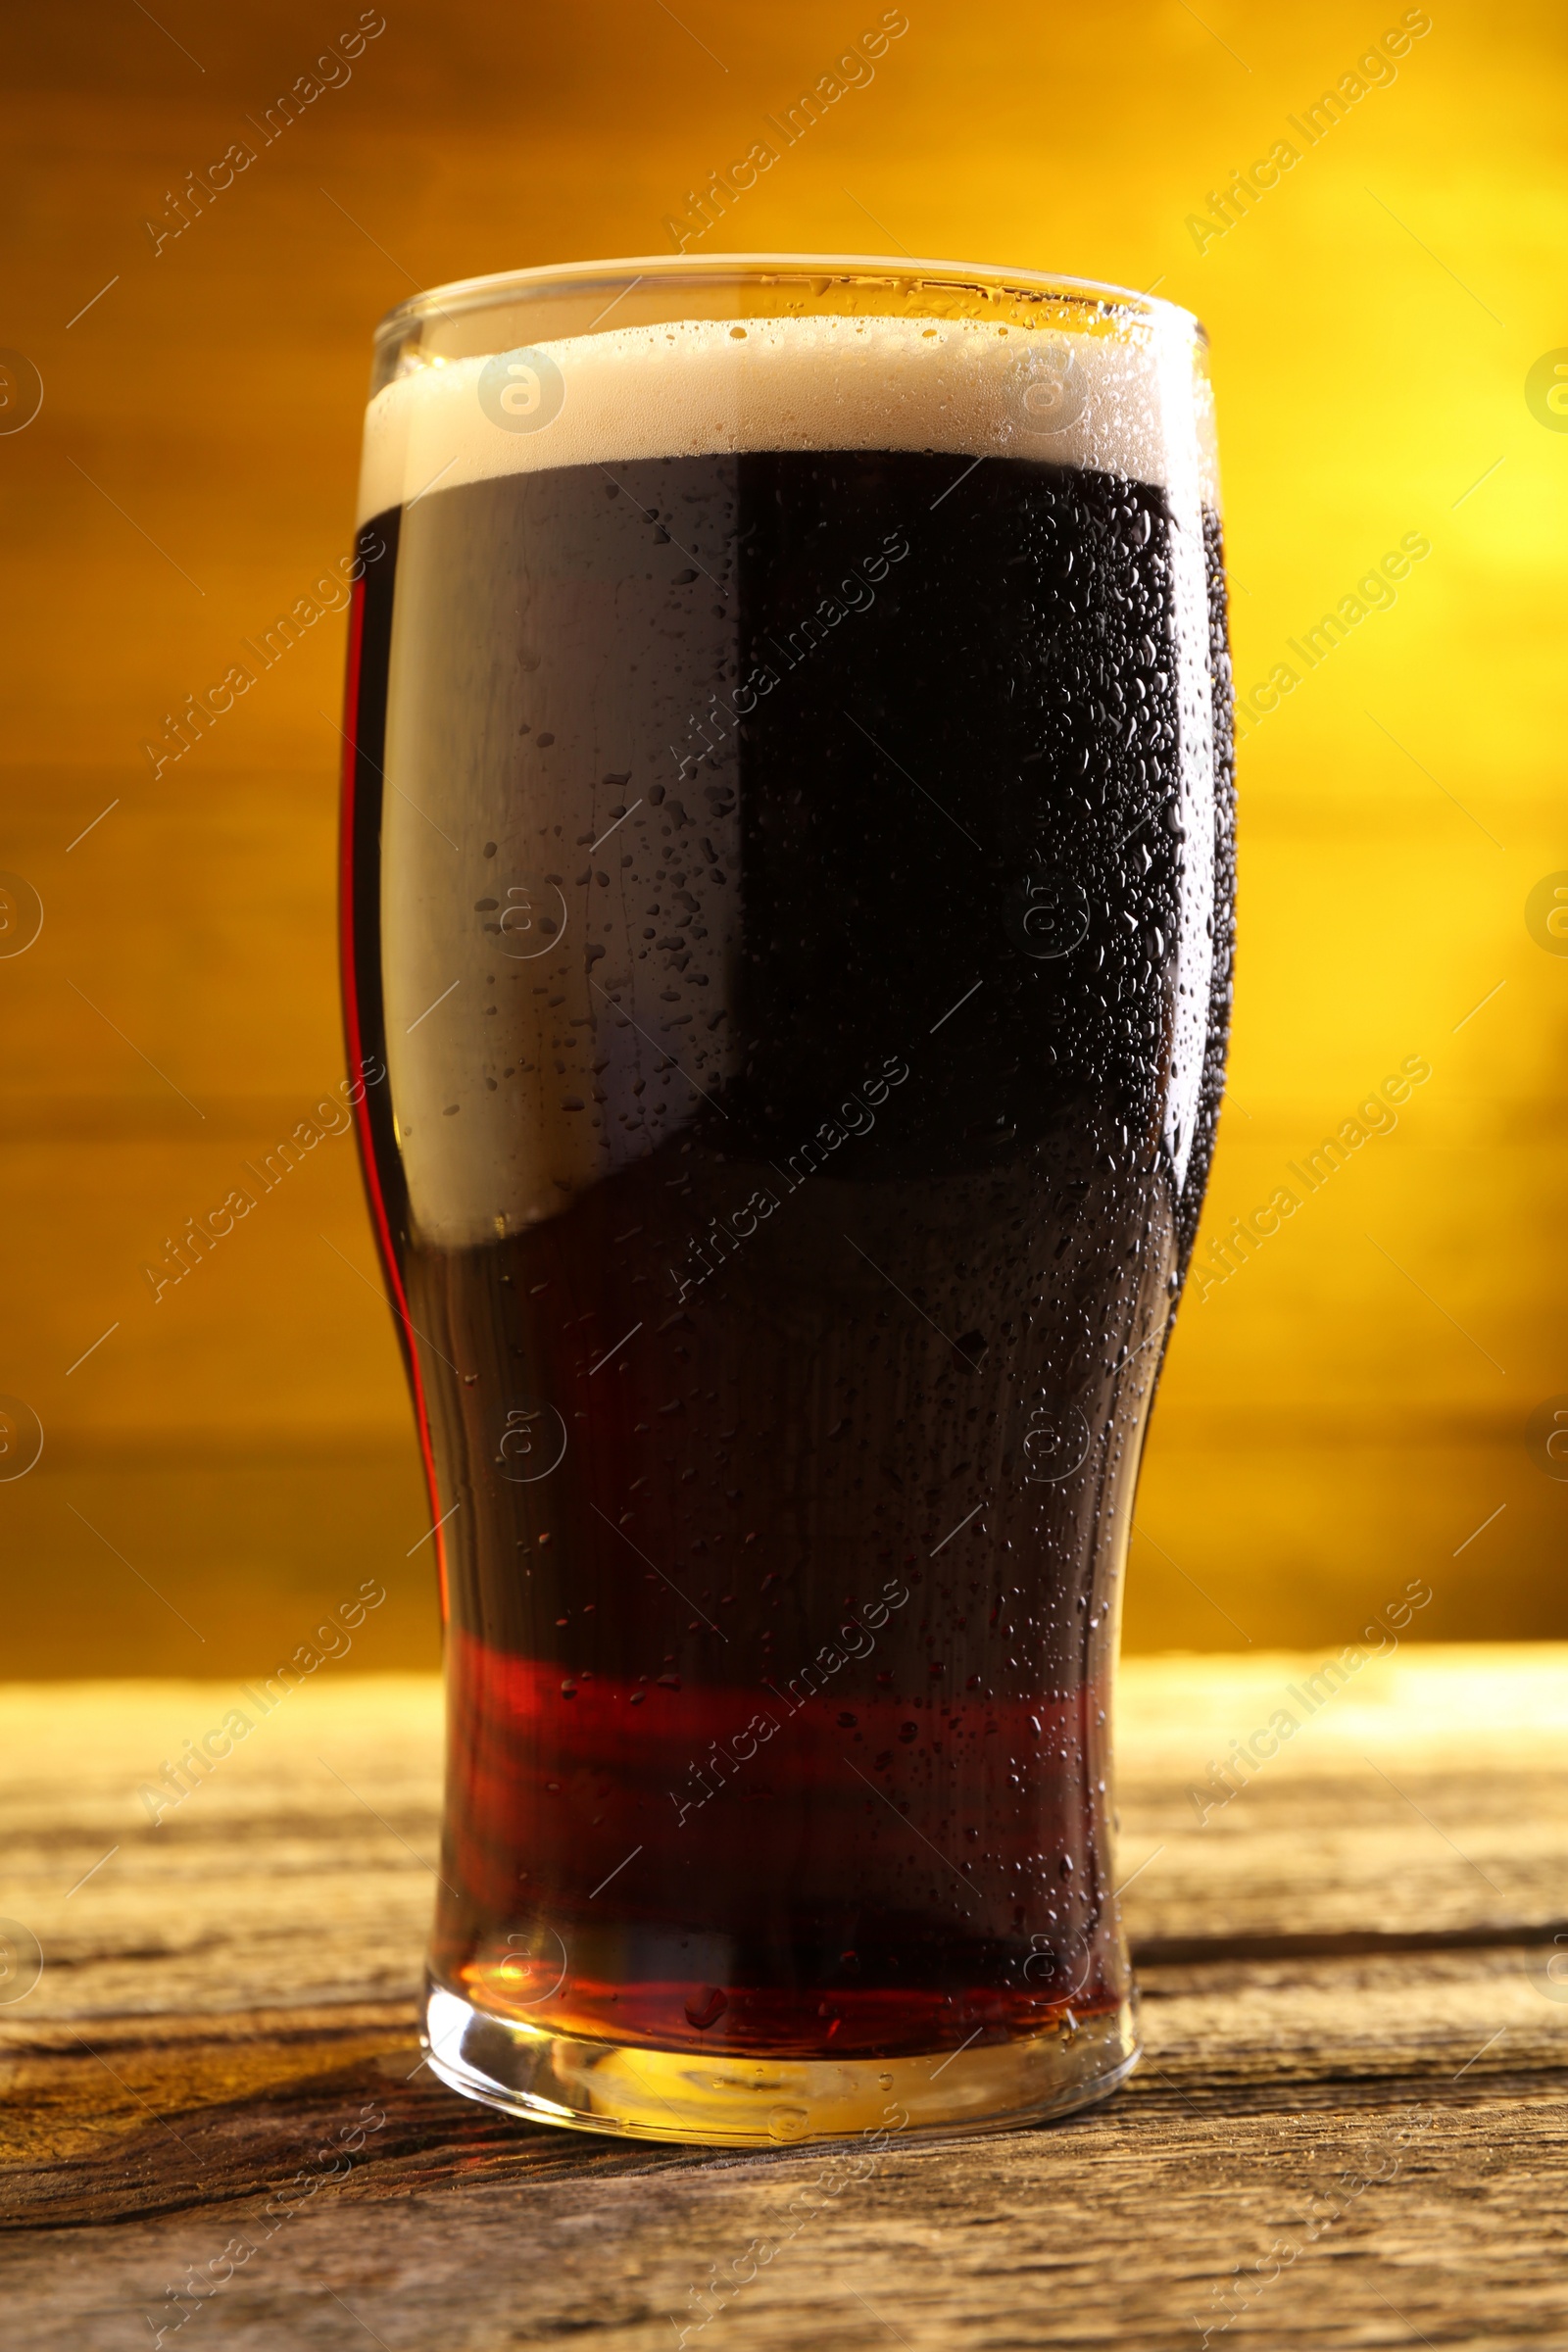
1349,2127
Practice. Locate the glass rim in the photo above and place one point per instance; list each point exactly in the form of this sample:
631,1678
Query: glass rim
466,296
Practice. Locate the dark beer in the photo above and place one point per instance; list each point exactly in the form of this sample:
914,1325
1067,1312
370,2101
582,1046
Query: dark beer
790,889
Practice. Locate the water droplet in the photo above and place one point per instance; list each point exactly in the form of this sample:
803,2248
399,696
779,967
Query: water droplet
787,2122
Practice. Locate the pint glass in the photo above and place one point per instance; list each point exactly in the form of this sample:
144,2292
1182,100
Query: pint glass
788,892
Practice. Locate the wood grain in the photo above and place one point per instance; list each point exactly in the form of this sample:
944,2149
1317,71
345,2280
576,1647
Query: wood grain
192,471
1384,2129
1112,2228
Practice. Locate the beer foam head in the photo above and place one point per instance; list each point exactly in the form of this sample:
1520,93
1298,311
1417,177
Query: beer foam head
1117,397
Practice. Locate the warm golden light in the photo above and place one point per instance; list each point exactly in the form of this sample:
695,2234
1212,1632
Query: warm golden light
1363,206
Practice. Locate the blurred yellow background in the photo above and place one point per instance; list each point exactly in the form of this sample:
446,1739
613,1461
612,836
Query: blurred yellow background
1343,1411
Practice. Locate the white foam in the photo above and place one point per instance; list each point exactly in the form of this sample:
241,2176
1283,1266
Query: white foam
1119,398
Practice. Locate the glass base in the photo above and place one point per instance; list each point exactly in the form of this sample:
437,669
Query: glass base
753,2103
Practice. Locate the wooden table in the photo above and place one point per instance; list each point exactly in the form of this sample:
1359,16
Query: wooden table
1348,2129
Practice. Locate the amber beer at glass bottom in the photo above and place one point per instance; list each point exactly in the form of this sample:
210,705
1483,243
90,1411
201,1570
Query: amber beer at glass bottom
788,879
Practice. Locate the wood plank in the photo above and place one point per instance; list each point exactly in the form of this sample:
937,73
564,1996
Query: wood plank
146,2119
1385,2218
233,1990
1368,1820
300,1872
1427,1795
